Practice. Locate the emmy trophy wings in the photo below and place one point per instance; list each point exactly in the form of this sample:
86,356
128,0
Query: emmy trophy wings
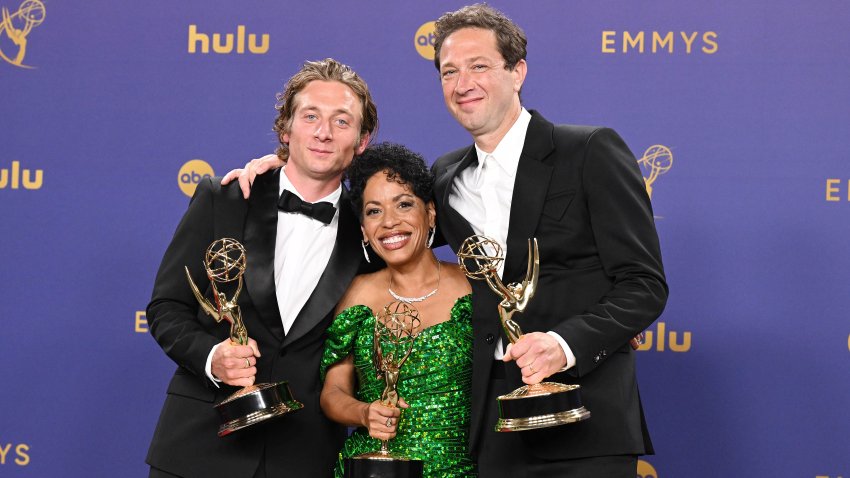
225,261
205,304
538,405
377,354
529,284
397,324
479,257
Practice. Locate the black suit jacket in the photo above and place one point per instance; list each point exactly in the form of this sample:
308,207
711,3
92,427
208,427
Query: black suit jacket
302,443
579,191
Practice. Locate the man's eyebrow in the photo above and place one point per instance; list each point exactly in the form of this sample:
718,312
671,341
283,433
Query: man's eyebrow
345,111
470,60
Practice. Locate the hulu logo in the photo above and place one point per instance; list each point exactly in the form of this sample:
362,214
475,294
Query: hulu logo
15,177
660,338
239,41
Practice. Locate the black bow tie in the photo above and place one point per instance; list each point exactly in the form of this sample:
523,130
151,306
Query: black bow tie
320,211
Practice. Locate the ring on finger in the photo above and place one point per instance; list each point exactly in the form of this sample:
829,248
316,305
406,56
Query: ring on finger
532,370
389,422
247,363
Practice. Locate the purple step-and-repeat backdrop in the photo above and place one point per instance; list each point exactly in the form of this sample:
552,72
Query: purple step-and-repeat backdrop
738,111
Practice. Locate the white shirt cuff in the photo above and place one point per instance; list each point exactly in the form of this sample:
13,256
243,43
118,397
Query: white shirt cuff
571,358
208,367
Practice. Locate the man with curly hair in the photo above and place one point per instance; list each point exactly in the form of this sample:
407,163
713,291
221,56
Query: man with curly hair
578,190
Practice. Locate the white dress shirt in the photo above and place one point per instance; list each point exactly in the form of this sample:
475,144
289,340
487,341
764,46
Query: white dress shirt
301,254
482,195
302,249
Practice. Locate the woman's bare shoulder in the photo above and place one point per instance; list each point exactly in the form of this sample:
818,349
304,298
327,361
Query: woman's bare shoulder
455,279
365,289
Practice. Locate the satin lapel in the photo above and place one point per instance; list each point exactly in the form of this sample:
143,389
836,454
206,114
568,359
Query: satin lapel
341,269
455,227
260,237
530,189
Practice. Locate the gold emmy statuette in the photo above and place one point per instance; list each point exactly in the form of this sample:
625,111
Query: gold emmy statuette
529,407
396,327
225,262
658,159
17,27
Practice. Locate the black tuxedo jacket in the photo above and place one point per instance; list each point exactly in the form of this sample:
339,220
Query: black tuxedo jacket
301,443
579,191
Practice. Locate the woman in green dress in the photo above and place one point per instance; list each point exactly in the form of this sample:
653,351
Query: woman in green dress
391,192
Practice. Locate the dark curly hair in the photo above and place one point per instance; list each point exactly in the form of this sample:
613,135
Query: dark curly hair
510,39
402,166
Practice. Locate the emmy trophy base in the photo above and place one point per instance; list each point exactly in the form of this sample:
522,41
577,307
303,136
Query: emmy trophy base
255,404
543,405
382,465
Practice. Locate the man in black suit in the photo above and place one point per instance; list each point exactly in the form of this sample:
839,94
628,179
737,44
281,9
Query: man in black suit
579,191
297,269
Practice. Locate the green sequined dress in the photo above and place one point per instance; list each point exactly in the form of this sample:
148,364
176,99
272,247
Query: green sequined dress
435,381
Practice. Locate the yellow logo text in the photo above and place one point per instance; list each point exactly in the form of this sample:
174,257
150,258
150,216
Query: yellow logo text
191,174
16,27
202,40
20,456
14,177
834,192
424,40
660,337
646,470
656,160
141,322
658,42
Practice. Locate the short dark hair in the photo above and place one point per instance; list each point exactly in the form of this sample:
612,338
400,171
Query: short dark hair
510,39
324,70
401,165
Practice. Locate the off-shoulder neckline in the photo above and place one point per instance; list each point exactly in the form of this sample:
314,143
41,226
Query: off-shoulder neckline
450,319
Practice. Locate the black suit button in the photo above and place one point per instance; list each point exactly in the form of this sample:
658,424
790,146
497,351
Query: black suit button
597,358
490,338
604,353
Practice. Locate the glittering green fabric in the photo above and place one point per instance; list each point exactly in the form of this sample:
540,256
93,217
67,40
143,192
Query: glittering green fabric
435,382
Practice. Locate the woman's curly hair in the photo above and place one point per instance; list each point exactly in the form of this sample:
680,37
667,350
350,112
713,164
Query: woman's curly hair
401,165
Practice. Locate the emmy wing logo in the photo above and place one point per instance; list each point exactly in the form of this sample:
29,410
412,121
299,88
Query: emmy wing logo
656,160
14,29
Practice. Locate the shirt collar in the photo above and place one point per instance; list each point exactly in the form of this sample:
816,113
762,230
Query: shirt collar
509,149
286,184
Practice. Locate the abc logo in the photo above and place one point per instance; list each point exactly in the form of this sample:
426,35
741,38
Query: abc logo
424,40
645,470
191,174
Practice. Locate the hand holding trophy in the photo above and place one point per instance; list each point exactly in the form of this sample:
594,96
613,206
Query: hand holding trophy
225,261
529,407
396,328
